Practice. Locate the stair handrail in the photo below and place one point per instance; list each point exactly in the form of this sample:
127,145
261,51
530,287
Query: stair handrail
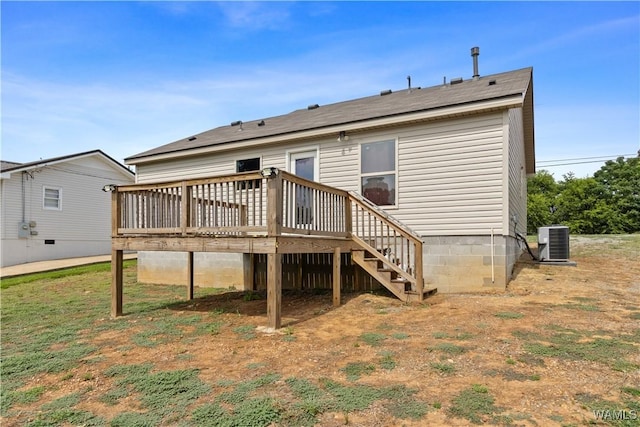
417,275
384,215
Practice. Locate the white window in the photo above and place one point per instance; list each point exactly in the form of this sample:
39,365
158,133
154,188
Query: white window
378,172
52,198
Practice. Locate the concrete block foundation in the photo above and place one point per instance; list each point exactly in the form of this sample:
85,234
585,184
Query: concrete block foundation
466,264
215,270
451,263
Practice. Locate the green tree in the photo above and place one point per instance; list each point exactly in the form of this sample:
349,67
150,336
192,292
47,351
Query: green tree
607,203
620,180
582,206
542,191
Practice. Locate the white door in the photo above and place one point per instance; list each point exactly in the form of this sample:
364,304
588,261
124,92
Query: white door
305,165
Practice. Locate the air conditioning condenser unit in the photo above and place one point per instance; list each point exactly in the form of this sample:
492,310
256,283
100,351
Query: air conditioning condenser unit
553,243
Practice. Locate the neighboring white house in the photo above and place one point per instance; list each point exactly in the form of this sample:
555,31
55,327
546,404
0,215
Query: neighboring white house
55,208
449,161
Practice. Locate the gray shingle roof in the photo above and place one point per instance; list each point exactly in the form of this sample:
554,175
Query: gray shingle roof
358,110
13,166
5,165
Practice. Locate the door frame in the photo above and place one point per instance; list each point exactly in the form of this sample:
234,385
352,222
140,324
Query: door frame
301,153
303,212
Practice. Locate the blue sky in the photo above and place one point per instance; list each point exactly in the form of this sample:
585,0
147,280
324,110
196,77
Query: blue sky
125,77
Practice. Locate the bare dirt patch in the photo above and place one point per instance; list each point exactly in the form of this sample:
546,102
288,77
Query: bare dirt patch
511,343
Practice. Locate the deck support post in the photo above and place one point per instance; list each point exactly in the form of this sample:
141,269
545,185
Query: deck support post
336,277
274,290
116,283
190,276
249,272
274,205
419,272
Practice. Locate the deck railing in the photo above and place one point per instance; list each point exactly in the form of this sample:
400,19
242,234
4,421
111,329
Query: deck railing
265,203
312,208
269,203
219,205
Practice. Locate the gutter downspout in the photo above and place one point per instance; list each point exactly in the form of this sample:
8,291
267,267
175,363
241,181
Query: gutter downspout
23,197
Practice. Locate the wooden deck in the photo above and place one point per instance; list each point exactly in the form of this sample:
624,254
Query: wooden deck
270,212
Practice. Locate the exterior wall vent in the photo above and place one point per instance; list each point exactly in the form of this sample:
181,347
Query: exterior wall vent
553,243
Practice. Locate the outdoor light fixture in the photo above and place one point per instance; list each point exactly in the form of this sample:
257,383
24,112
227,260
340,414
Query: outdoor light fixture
342,136
269,172
108,188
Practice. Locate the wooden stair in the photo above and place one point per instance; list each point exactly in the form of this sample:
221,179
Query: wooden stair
389,275
401,270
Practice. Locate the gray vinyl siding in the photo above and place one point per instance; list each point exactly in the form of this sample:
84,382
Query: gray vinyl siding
517,189
82,227
517,175
209,165
449,175
340,162
450,179
11,207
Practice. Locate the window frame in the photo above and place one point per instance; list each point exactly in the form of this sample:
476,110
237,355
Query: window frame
256,183
45,198
393,172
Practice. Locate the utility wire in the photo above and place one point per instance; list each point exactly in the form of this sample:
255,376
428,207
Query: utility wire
551,163
588,158
74,172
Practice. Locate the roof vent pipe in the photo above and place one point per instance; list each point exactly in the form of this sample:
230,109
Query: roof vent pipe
475,51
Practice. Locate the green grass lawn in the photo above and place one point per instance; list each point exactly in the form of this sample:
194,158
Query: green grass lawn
65,362
49,321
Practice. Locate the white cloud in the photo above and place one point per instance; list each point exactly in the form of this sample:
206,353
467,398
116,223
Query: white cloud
588,33
47,119
249,15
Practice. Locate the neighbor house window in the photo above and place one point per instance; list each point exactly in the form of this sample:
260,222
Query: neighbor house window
248,165
52,198
378,172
